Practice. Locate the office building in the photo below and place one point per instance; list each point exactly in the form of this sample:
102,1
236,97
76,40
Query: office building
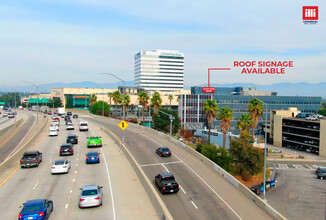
193,117
159,70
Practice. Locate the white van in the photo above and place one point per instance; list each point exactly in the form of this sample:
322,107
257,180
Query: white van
83,126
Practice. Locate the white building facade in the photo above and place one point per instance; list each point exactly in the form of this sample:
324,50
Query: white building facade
159,70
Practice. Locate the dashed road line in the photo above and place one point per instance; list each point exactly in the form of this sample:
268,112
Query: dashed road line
35,186
157,164
182,189
194,204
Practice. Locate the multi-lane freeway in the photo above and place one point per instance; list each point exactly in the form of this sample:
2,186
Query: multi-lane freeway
203,193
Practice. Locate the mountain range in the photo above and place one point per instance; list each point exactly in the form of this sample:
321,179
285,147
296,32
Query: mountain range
282,89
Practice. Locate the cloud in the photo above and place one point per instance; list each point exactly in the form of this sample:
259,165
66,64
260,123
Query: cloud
74,40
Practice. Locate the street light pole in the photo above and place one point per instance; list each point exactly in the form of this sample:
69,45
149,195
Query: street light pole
150,89
103,104
15,103
123,102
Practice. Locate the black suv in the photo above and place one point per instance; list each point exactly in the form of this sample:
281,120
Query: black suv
66,149
166,183
69,113
321,172
72,139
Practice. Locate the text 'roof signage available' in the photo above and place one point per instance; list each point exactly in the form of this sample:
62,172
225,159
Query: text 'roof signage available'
208,89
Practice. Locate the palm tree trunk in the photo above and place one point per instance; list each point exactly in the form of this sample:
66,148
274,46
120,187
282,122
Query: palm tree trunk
224,140
209,133
143,116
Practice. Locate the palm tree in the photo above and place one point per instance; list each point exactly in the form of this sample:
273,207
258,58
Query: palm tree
110,95
226,115
126,102
116,96
92,99
244,123
143,98
156,101
211,108
170,98
255,108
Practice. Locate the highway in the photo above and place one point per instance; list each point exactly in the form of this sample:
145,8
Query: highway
9,144
114,173
203,194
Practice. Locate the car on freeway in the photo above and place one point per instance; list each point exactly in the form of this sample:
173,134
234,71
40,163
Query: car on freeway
68,121
75,116
72,139
53,132
164,152
83,126
67,117
56,118
39,209
92,157
5,114
63,115
54,127
166,183
60,166
66,149
30,159
321,172
70,126
94,141
56,123
11,115
90,196
49,113
69,113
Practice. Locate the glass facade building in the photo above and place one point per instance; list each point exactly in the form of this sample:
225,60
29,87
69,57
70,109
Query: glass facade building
77,101
193,117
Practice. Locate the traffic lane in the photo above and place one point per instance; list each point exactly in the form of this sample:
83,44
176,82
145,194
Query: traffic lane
144,152
21,186
298,194
90,174
4,120
219,187
36,181
9,147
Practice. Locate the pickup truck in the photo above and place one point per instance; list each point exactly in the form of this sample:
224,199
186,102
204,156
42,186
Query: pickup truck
260,187
166,183
31,158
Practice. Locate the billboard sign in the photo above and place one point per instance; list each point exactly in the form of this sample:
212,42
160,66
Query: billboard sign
208,89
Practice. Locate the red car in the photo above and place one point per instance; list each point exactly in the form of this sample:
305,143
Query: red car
56,119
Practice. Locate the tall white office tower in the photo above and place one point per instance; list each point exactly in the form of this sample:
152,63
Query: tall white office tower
159,70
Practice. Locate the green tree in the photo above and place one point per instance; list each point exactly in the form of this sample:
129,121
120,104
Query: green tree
126,102
244,123
116,96
225,115
170,99
255,108
322,111
9,99
97,107
247,159
211,108
143,98
92,99
156,101
218,155
162,121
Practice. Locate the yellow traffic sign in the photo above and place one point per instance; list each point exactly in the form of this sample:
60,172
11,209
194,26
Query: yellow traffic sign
123,125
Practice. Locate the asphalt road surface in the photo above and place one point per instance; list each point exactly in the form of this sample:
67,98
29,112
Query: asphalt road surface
203,194
114,173
298,193
9,147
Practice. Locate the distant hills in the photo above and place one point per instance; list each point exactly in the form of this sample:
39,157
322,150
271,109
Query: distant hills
282,89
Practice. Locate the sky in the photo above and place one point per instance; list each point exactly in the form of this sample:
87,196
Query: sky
73,41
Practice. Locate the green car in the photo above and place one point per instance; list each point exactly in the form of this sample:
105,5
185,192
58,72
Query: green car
94,141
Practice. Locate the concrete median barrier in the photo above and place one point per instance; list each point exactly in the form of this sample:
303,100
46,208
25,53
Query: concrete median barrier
157,202
10,130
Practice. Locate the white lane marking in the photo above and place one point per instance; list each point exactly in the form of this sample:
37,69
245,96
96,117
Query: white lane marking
298,166
73,180
66,206
182,189
156,164
76,164
70,191
283,166
194,204
309,167
75,171
35,186
50,161
77,159
198,177
22,139
109,178
166,168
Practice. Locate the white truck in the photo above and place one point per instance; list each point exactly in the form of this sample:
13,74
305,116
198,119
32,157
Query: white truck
35,108
61,110
45,109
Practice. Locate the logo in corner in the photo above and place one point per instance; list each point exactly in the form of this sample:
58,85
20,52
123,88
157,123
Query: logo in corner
310,14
